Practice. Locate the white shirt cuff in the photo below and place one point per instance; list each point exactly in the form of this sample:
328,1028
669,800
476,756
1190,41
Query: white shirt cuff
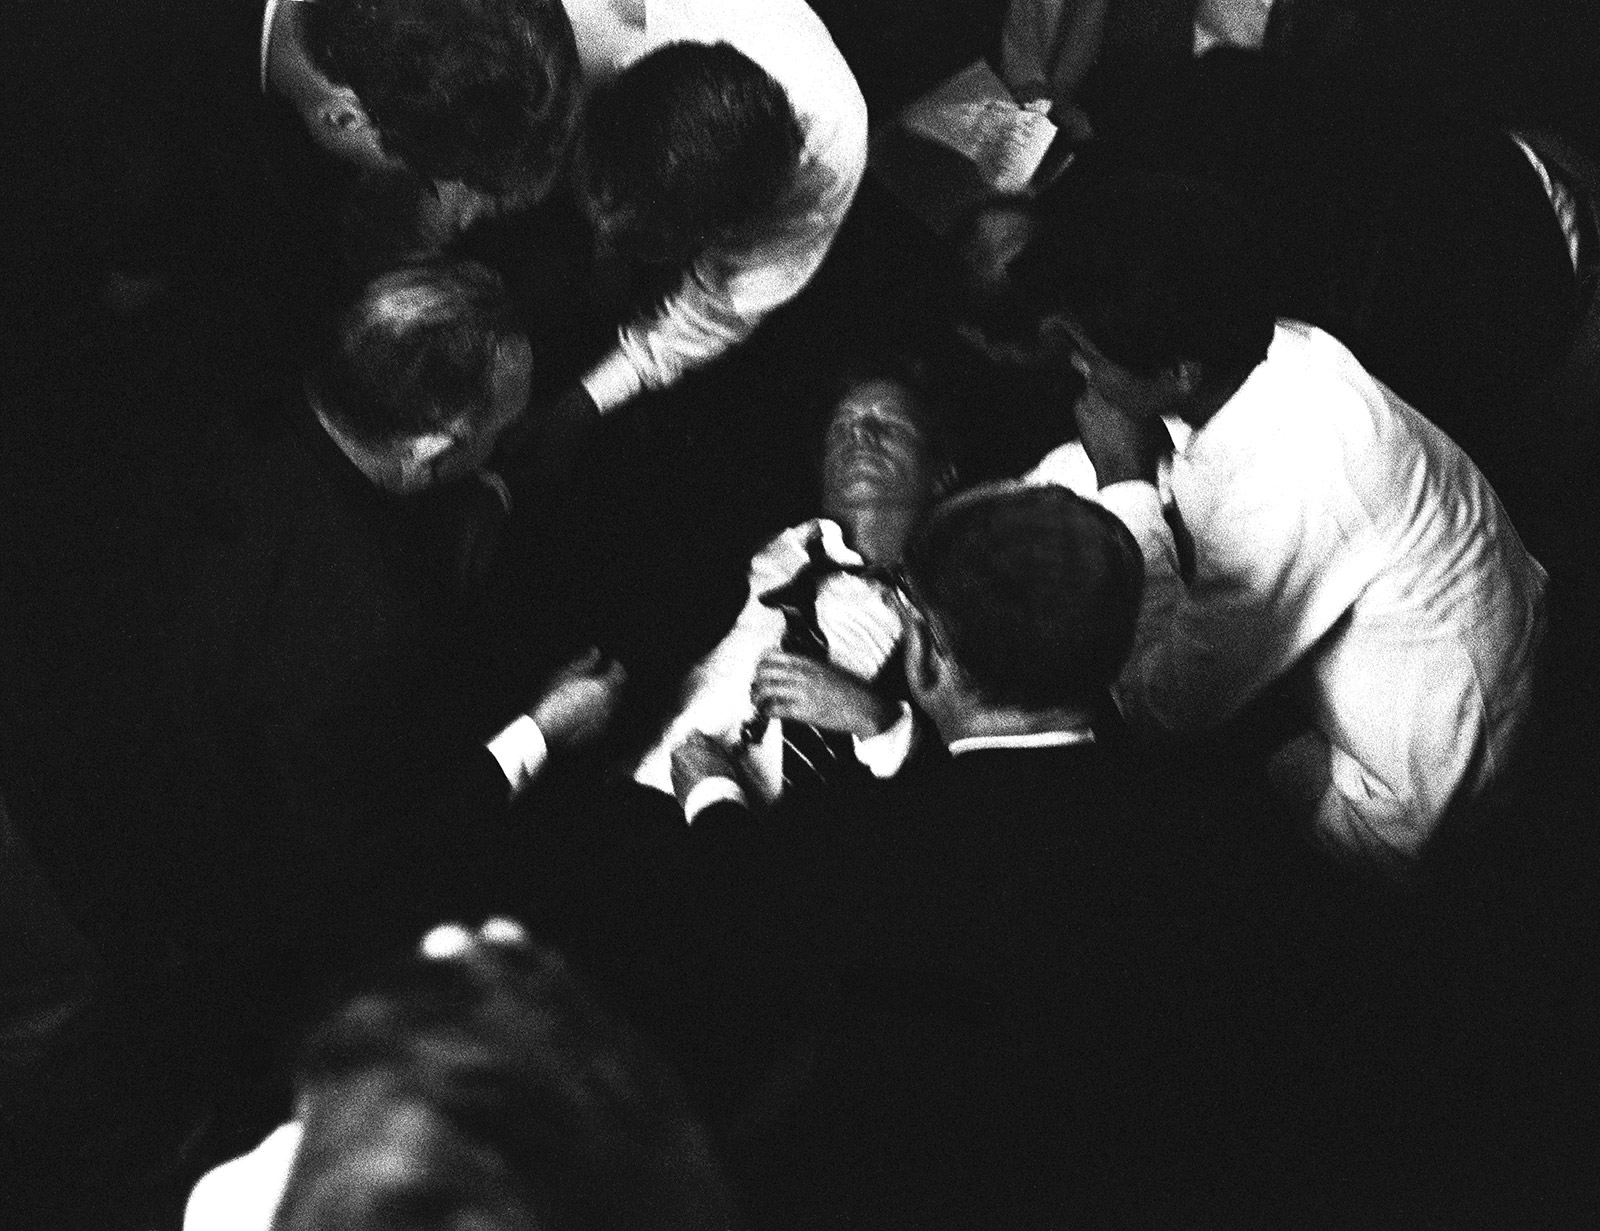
613,381
886,752
710,791
522,751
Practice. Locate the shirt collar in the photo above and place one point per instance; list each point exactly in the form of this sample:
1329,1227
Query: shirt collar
1033,739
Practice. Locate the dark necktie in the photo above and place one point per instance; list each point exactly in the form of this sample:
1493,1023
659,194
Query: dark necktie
812,758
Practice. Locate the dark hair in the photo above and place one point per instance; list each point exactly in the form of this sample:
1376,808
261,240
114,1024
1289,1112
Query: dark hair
1154,271
1034,589
688,144
506,1048
482,91
414,351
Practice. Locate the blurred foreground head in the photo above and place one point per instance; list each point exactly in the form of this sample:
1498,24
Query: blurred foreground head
481,1090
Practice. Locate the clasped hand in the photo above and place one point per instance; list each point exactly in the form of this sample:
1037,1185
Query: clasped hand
806,690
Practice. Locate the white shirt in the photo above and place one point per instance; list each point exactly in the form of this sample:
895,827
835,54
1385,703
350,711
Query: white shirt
726,293
243,1193
862,627
1333,525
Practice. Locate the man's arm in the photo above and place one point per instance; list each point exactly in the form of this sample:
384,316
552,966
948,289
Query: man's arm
1261,595
727,293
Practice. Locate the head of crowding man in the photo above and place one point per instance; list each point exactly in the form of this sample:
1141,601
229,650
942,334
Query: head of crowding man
481,93
476,1086
1019,604
421,373
684,150
1157,290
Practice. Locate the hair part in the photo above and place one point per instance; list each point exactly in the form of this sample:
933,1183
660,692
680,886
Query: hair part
415,351
1036,592
688,145
1155,271
482,91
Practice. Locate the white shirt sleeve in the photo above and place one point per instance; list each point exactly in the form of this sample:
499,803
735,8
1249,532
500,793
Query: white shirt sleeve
1259,599
727,293
522,751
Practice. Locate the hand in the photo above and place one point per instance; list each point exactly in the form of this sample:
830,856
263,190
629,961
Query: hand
699,757
793,686
578,702
1120,445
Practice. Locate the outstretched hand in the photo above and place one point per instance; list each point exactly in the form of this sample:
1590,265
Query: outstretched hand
579,700
818,693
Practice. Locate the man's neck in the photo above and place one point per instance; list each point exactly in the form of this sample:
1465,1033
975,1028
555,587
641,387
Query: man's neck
1210,398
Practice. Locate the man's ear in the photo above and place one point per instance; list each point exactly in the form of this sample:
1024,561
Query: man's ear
341,111
1187,375
925,669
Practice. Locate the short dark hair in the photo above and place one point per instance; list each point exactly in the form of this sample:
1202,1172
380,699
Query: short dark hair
1034,589
482,91
1154,270
689,143
414,351
507,1048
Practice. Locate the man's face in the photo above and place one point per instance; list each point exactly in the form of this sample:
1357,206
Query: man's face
875,450
1136,395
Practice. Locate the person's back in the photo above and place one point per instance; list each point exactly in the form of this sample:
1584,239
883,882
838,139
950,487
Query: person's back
1323,539
1318,481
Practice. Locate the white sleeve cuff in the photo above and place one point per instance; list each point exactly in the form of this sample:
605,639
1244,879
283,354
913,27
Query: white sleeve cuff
710,791
886,753
613,381
522,751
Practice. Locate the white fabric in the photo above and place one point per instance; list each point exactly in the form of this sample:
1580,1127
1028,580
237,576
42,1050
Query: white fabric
1031,739
1333,524
857,616
727,292
709,791
1069,466
522,751
243,1193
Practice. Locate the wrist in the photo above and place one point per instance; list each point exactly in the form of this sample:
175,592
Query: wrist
876,717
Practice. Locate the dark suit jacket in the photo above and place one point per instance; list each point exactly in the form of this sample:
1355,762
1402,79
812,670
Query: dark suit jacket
329,685
994,954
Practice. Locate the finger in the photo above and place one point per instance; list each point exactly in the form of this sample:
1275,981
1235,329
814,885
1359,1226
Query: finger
615,675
